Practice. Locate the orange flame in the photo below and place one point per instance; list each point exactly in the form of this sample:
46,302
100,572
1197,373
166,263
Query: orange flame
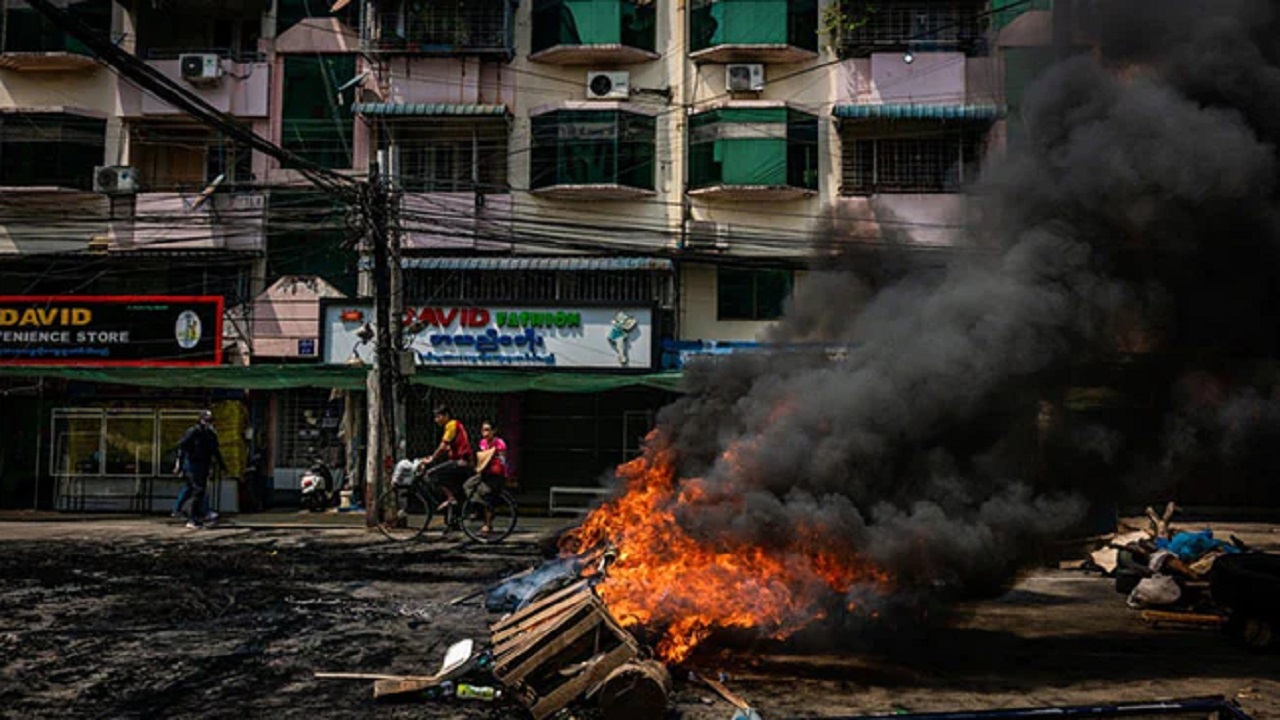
669,581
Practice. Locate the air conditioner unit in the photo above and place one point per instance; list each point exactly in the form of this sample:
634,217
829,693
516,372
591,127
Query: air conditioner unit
705,235
744,77
115,180
200,68
611,85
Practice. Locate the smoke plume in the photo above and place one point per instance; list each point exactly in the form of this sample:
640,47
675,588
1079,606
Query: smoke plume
1133,212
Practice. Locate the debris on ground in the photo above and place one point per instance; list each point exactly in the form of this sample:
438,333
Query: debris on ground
1189,579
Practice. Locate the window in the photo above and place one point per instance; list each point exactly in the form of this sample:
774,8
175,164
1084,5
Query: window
594,22
50,149
443,26
918,24
452,156
26,30
178,155
753,22
746,294
315,123
230,29
931,162
769,147
593,147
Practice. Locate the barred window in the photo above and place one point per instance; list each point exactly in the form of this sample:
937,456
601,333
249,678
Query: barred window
453,156
920,24
934,163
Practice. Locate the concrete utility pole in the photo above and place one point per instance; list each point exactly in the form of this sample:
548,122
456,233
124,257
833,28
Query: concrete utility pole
382,376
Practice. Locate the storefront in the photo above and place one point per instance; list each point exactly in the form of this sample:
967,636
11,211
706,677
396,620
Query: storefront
103,446
573,388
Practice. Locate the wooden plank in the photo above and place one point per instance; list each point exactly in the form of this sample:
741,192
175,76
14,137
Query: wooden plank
542,616
550,649
516,646
520,655
1159,617
725,693
571,689
551,599
388,688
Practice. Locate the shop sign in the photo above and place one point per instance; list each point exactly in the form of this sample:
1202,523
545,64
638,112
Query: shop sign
151,330
498,336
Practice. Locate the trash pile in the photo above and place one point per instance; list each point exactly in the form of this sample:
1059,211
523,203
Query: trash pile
556,650
1193,579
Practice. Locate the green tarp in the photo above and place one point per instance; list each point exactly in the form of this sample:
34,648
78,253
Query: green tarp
279,377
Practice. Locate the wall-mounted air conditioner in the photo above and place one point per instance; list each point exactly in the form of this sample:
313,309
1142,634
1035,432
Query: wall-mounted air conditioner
608,85
705,235
200,68
115,180
744,77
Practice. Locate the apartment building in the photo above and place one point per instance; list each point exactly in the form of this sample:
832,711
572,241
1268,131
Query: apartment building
657,176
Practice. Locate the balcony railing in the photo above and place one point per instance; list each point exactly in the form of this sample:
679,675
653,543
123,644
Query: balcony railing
753,30
920,25
441,27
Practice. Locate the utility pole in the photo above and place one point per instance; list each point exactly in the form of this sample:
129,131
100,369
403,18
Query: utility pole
381,379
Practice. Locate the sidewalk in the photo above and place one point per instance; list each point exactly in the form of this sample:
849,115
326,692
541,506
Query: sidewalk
274,519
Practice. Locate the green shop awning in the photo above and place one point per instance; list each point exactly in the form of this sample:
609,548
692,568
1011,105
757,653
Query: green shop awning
280,377
429,110
896,111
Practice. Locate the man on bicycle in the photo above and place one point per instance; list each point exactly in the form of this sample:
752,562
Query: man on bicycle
455,446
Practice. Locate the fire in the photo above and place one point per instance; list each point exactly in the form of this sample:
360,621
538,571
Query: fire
665,579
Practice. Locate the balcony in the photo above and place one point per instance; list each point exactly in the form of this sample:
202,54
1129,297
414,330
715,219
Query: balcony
769,31
753,153
441,28
30,43
916,25
583,32
600,154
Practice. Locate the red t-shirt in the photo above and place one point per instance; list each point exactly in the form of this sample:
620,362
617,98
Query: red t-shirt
456,436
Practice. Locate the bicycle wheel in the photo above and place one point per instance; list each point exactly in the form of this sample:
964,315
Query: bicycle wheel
404,513
488,517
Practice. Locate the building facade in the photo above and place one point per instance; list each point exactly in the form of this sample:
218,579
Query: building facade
678,164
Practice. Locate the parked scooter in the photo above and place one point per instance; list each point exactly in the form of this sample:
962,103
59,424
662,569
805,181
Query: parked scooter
321,485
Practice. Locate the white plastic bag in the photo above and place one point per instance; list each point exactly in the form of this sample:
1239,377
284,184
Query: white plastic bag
1158,590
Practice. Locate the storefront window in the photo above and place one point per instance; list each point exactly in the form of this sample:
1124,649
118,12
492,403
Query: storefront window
130,442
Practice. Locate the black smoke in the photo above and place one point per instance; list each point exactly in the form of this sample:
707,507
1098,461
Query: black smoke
1132,217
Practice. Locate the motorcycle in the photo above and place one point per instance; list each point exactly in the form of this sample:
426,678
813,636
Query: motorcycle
321,485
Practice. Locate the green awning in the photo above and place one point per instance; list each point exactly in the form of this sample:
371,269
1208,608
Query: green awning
429,110
895,111
280,377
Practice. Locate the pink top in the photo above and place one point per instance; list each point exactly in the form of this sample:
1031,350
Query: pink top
496,466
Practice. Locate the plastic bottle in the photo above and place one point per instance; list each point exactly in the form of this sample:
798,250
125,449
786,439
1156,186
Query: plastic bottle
478,692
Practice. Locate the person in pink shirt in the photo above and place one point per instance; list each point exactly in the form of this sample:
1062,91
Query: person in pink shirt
492,464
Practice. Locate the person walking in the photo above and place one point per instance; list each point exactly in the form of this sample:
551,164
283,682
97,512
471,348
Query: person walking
197,451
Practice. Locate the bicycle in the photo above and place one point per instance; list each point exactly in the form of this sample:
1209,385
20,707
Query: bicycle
409,511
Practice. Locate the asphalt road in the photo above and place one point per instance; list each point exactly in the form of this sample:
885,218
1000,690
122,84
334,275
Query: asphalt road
142,618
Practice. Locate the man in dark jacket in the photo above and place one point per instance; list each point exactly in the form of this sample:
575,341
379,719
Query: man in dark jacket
197,451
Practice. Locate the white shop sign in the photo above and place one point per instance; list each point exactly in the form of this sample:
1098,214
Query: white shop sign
500,336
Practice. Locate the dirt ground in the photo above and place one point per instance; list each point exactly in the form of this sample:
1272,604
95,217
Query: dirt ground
142,618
